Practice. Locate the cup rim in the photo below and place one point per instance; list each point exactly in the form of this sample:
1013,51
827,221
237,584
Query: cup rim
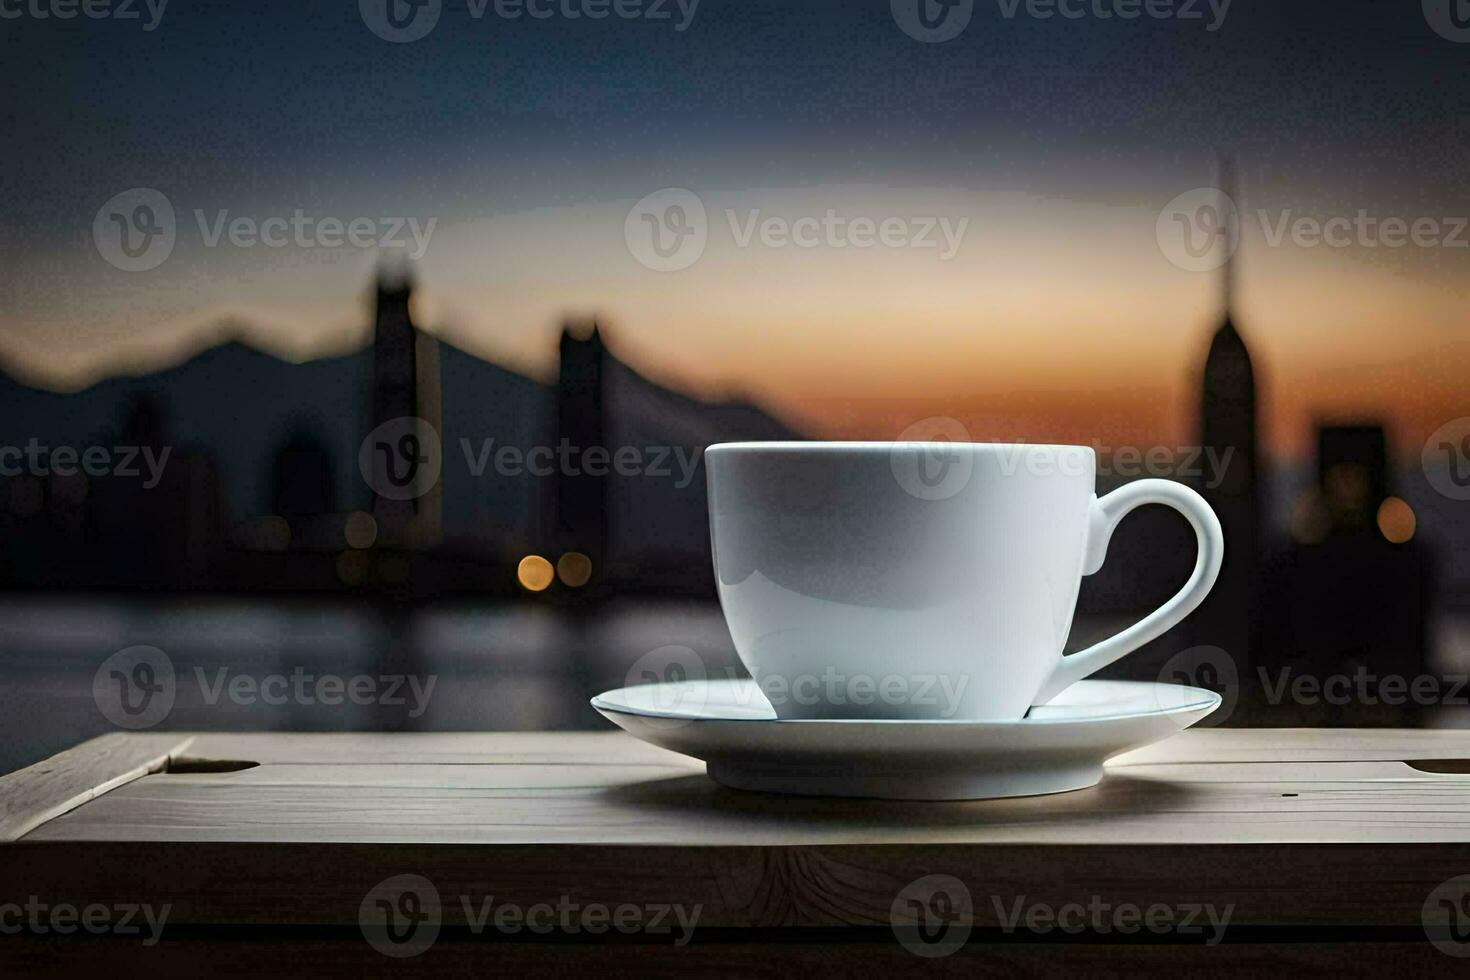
830,446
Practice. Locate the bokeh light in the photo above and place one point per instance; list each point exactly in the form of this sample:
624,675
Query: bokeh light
1396,520
574,569
534,573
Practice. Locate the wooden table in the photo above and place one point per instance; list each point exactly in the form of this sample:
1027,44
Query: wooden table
1324,844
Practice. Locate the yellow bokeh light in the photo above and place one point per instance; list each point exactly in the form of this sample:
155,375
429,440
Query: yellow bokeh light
535,573
574,569
1396,520
361,530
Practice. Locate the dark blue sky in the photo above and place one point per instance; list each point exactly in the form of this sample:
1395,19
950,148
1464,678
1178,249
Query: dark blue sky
279,96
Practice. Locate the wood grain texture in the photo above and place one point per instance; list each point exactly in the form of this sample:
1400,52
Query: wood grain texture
1302,745
1294,830
29,797
741,888
606,789
597,748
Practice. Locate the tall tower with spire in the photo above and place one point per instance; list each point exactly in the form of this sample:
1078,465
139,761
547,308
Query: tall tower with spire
1228,433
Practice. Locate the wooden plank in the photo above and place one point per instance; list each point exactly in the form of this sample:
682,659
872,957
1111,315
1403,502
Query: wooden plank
514,803
1215,745
1293,829
590,788
600,818
738,887
31,796
595,748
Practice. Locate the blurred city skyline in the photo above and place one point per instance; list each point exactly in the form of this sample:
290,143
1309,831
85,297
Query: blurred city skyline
1123,379
1055,144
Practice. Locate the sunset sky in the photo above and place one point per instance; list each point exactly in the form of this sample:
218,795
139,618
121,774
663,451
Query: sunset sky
1053,143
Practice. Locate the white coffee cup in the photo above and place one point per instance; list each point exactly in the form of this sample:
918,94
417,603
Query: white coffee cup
923,580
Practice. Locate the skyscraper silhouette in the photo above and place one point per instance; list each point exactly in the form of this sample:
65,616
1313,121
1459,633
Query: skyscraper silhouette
406,384
394,376
581,498
1351,593
1229,618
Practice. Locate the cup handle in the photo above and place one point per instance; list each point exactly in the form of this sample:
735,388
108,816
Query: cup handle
1102,517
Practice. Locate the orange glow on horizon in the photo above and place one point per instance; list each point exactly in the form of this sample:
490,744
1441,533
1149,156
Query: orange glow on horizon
1058,320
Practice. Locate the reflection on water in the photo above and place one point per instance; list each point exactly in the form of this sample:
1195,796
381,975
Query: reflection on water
247,665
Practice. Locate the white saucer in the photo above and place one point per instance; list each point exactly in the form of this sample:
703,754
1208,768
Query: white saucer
1057,747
